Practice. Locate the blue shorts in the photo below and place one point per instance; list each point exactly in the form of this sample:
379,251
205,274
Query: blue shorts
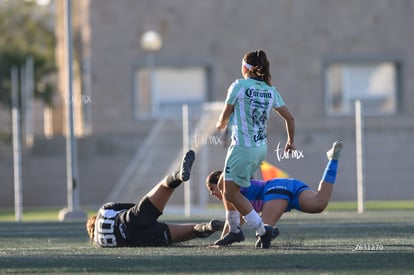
285,189
242,162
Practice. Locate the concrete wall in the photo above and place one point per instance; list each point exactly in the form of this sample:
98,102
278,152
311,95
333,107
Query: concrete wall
299,37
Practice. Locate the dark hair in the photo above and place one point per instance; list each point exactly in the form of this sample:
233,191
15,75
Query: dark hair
259,61
213,177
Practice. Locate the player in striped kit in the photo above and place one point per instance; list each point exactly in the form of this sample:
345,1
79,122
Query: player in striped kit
247,109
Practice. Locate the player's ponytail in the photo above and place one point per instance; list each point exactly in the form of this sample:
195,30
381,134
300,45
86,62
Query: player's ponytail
260,65
265,67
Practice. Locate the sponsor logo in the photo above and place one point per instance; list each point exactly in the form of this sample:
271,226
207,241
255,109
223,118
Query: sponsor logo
262,94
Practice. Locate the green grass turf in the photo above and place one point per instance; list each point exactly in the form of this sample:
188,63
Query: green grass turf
51,214
334,242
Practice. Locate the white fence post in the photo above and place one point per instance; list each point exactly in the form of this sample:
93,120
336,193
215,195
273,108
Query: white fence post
17,156
186,147
359,128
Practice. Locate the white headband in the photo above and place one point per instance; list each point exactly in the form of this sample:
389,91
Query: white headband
247,65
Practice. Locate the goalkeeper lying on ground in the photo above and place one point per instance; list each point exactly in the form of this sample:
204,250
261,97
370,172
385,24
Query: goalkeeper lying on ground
128,224
274,197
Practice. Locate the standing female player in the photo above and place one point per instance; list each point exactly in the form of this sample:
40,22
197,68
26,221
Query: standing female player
248,104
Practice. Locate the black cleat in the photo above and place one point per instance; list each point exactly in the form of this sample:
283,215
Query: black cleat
204,230
275,233
230,238
186,165
265,240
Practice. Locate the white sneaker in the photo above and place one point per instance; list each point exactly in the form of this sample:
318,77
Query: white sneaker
335,151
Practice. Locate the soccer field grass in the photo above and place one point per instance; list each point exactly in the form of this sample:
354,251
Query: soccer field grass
335,242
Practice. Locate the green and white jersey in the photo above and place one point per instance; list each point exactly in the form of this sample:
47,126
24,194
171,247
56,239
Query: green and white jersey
253,100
